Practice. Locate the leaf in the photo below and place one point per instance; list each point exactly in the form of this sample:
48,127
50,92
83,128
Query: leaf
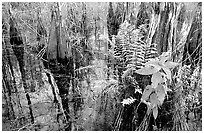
148,70
148,90
155,112
156,79
160,91
154,62
154,100
149,108
171,64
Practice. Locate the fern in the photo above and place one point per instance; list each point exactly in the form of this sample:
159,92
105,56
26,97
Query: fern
151,52
126,44
131,49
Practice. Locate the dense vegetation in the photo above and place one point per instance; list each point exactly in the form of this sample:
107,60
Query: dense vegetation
102,66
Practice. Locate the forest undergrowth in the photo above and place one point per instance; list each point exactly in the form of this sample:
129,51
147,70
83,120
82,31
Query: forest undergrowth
104,66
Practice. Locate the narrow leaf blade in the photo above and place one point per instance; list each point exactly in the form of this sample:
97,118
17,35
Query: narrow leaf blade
155,112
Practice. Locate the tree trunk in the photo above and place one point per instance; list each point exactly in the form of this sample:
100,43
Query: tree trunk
26,109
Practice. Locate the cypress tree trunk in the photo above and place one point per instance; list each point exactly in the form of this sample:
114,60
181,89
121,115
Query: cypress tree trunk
26,107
